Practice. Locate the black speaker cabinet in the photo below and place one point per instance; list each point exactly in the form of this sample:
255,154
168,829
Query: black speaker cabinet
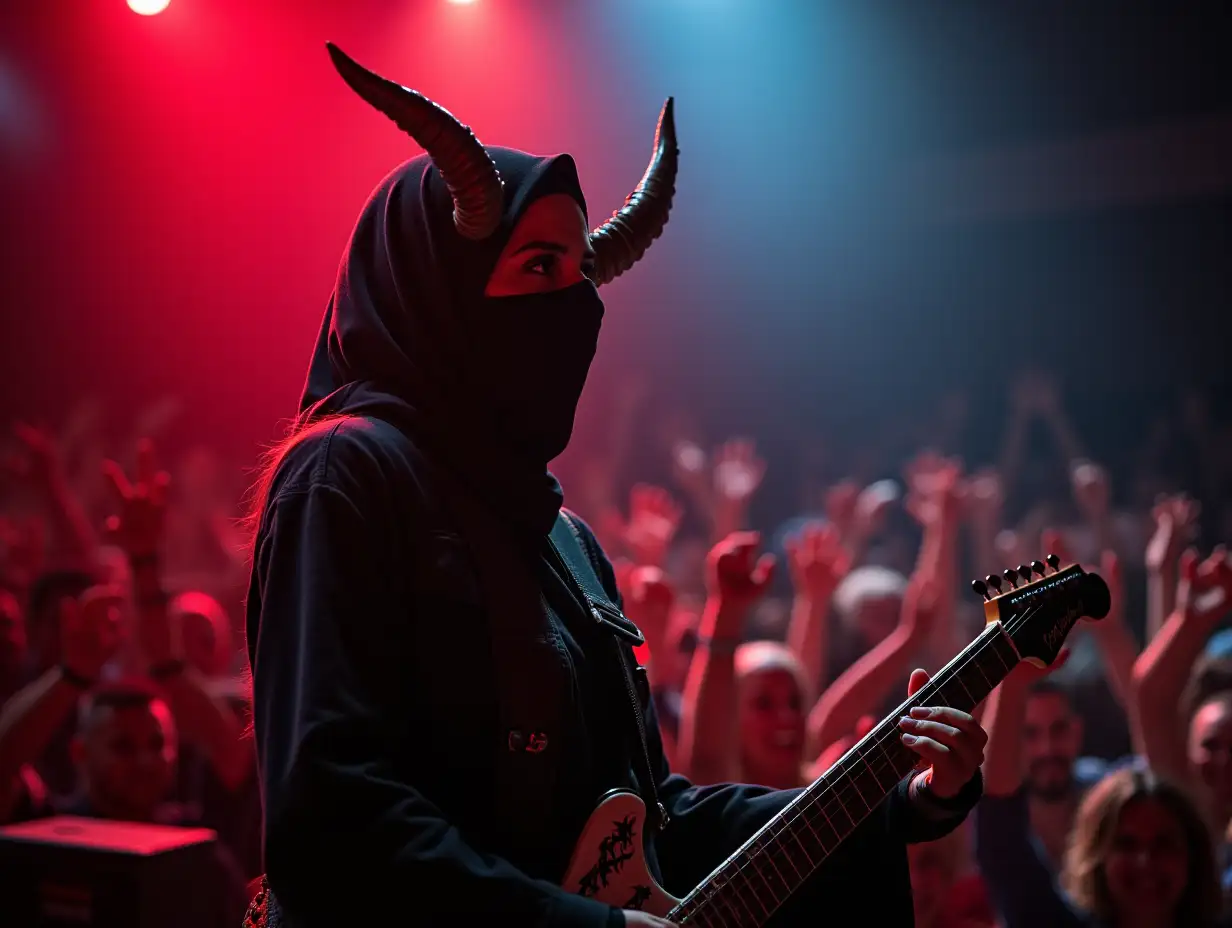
68,872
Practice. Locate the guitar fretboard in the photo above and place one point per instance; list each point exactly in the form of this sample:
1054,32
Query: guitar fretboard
757,879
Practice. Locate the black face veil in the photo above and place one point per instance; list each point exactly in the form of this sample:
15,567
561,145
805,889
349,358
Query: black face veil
487,384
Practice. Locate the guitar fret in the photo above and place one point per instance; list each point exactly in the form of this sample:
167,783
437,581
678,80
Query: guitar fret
752,879
782,847
739,873
827,835
790,827
778,891
720,909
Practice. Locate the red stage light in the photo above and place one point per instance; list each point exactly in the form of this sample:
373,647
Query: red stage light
148,7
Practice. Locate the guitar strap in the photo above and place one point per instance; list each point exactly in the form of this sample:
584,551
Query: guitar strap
579,560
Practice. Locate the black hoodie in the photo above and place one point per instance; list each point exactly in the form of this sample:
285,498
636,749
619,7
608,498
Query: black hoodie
383,663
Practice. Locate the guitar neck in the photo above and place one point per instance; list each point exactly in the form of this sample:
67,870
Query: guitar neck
774,863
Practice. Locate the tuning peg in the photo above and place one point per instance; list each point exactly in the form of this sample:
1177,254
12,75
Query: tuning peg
1024,571
1037,567
1054,562
1011,575
980,587
993,581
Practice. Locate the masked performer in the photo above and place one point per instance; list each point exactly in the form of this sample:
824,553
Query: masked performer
434,711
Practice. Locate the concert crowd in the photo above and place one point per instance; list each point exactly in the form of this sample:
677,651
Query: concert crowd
774,639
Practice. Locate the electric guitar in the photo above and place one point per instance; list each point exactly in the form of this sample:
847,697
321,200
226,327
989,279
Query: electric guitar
1027,620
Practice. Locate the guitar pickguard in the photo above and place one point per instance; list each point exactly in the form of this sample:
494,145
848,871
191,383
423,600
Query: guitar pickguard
609,859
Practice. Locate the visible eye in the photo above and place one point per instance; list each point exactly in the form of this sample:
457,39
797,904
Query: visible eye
543,264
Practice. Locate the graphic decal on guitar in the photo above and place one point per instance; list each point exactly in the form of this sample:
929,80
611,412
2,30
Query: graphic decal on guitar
614,852
640,894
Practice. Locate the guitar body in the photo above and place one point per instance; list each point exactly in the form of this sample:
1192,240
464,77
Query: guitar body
609,859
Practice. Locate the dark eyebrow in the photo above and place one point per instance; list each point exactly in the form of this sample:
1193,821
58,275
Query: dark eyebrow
542,246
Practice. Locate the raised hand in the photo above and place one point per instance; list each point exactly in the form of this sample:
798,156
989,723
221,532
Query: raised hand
1204,593
654,518
985,499
91,631
689,467
738,472
841,502
649,599
1176,525
138,527
872,507
937,492
950,741
738,578
1091,488
1036,393
817,561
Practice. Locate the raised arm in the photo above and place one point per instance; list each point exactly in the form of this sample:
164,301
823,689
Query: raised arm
1162,670
708,732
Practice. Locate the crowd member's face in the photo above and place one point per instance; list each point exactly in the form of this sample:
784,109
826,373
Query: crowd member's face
1052,738
206,643
12,638
931,878
876,617
1147,868
549,250
127,759
772,725
1210,751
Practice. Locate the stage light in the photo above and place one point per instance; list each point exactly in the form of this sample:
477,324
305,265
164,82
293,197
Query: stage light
461,2
148,7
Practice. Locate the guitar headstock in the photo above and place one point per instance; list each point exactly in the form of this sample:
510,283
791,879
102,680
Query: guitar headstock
1039,603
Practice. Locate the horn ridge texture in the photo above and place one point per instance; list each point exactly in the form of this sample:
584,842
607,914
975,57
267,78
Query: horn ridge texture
621,241
464,164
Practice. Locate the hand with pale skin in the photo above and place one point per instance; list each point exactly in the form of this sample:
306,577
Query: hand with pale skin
636,919
840,502
818,561
985,499
654,518
138,526
649,600
873,505
737,576
1176,525
1092,490
690,469
937,492
1204,593
738,472
950,742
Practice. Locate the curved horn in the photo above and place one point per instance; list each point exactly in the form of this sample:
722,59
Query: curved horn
621,241
465,165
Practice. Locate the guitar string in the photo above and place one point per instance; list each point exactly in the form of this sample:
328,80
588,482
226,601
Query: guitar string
823,803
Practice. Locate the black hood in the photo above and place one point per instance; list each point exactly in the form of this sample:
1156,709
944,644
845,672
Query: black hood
396,342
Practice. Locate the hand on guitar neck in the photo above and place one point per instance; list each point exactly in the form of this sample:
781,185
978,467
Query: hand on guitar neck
636,919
